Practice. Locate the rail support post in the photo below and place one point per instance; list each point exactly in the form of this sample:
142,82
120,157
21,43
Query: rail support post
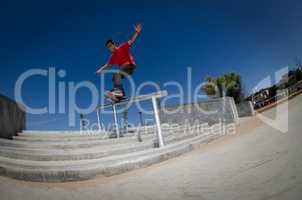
157,121
99,119
117,129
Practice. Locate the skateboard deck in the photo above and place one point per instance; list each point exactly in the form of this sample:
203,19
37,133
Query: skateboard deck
113,98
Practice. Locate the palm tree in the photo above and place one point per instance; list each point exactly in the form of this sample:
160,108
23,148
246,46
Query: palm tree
229,84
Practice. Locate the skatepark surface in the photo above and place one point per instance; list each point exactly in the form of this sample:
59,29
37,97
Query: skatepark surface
259,162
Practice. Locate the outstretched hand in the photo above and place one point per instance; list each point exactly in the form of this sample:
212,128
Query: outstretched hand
99,71
138,28
102,69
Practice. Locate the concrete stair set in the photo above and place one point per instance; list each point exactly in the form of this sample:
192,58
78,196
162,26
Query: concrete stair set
49,156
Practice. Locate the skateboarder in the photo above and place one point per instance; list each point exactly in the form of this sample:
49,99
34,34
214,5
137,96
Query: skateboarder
121,57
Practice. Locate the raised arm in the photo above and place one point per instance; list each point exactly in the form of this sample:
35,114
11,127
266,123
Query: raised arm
138,29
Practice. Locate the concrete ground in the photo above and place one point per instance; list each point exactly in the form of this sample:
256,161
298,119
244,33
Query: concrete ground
259,162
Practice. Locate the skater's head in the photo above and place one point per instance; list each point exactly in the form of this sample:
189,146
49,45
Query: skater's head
110,44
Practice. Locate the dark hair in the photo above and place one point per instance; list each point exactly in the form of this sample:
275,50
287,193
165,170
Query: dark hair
109,41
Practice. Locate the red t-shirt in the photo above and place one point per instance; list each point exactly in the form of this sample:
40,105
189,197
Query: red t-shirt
122,56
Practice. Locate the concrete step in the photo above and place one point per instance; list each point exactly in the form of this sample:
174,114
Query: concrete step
65,143
69,144
57,134
66,138
70,134
57,137
74,137
67,135
42,154
60,171
76,154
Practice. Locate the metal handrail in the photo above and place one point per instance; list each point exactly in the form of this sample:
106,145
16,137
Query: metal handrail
153,97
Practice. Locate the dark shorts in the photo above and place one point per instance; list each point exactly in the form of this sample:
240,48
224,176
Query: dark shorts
127,70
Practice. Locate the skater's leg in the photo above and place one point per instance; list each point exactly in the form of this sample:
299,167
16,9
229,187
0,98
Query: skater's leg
127,70
117,85
118,89
117,80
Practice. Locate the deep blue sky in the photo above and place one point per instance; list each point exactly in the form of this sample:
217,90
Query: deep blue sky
253,38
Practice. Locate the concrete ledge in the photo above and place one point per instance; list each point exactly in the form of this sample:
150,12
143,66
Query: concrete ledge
13,117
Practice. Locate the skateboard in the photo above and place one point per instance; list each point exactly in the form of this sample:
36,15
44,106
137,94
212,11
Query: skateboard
114,99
